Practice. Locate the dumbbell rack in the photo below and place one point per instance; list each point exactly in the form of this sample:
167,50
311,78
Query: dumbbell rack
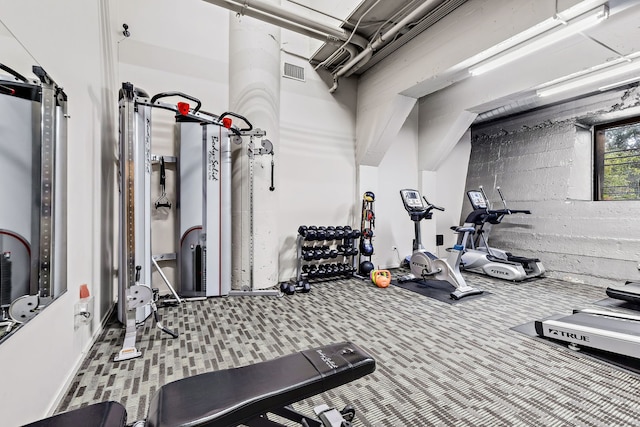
323,253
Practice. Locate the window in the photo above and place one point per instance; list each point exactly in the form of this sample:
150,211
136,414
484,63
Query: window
617,160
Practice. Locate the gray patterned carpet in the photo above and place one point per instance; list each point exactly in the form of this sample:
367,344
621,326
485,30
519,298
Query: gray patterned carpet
437,364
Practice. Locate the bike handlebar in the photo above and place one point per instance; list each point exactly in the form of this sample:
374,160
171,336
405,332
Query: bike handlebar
430,206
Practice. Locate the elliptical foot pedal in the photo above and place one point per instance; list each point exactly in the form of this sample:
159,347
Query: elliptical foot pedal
458,294
406,278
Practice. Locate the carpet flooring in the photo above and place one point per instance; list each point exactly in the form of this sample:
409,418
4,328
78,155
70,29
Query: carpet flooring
437,364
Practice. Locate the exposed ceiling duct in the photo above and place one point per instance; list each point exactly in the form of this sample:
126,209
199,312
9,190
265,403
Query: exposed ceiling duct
389,26
358,44
278,16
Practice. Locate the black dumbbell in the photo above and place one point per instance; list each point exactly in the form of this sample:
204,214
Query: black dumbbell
303,286
330,233
287,288
340,233
308,233
307,253
311,233
331,269
326,270
333,253
321,233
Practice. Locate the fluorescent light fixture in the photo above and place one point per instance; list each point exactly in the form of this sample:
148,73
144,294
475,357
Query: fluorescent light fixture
575,26
594,78
620,83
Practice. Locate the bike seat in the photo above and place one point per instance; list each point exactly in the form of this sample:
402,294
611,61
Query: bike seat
460,229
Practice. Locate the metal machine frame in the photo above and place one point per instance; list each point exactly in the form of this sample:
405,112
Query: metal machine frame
613,330
205,210
48,228
424,264
205,220
478,256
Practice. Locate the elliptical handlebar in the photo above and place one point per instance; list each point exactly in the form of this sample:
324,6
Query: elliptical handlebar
522,211
500,211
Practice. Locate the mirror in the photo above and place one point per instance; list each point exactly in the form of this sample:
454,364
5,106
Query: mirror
33,186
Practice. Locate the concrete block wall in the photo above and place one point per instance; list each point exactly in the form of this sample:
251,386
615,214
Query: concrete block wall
542,161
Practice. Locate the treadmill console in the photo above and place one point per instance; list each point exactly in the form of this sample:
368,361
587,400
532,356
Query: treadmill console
477,200
412,200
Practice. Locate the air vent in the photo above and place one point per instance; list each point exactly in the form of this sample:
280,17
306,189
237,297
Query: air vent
293,72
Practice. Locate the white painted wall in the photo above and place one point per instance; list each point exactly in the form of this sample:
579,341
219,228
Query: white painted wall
165,54
171,48
43,355
442,49
542,161
398,170
315,170
318,180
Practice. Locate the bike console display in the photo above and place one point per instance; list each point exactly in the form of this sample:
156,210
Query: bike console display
412,201
477,199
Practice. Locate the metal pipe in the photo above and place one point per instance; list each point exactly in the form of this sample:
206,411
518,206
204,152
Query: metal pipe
280,17
366,54
276,15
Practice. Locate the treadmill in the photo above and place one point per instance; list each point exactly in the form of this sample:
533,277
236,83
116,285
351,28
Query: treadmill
629,292
612,330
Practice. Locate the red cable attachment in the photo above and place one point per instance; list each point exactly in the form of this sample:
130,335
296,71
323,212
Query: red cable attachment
183,108
227,122
8,90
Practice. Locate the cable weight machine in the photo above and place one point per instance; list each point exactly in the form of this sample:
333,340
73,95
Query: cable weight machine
204,240
205,209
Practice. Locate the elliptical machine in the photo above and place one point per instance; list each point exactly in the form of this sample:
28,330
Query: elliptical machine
478,256
424,265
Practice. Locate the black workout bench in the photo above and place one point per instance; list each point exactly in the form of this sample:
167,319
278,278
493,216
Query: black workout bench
242,395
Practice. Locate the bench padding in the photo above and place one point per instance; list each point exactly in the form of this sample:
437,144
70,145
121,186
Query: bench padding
233,396
105,414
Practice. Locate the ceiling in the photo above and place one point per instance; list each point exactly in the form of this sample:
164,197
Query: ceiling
617,36
373,18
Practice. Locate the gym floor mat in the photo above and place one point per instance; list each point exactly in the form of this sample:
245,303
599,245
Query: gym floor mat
437,289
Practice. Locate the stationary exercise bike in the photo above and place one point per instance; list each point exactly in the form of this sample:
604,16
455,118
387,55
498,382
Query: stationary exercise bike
424,265
478,256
